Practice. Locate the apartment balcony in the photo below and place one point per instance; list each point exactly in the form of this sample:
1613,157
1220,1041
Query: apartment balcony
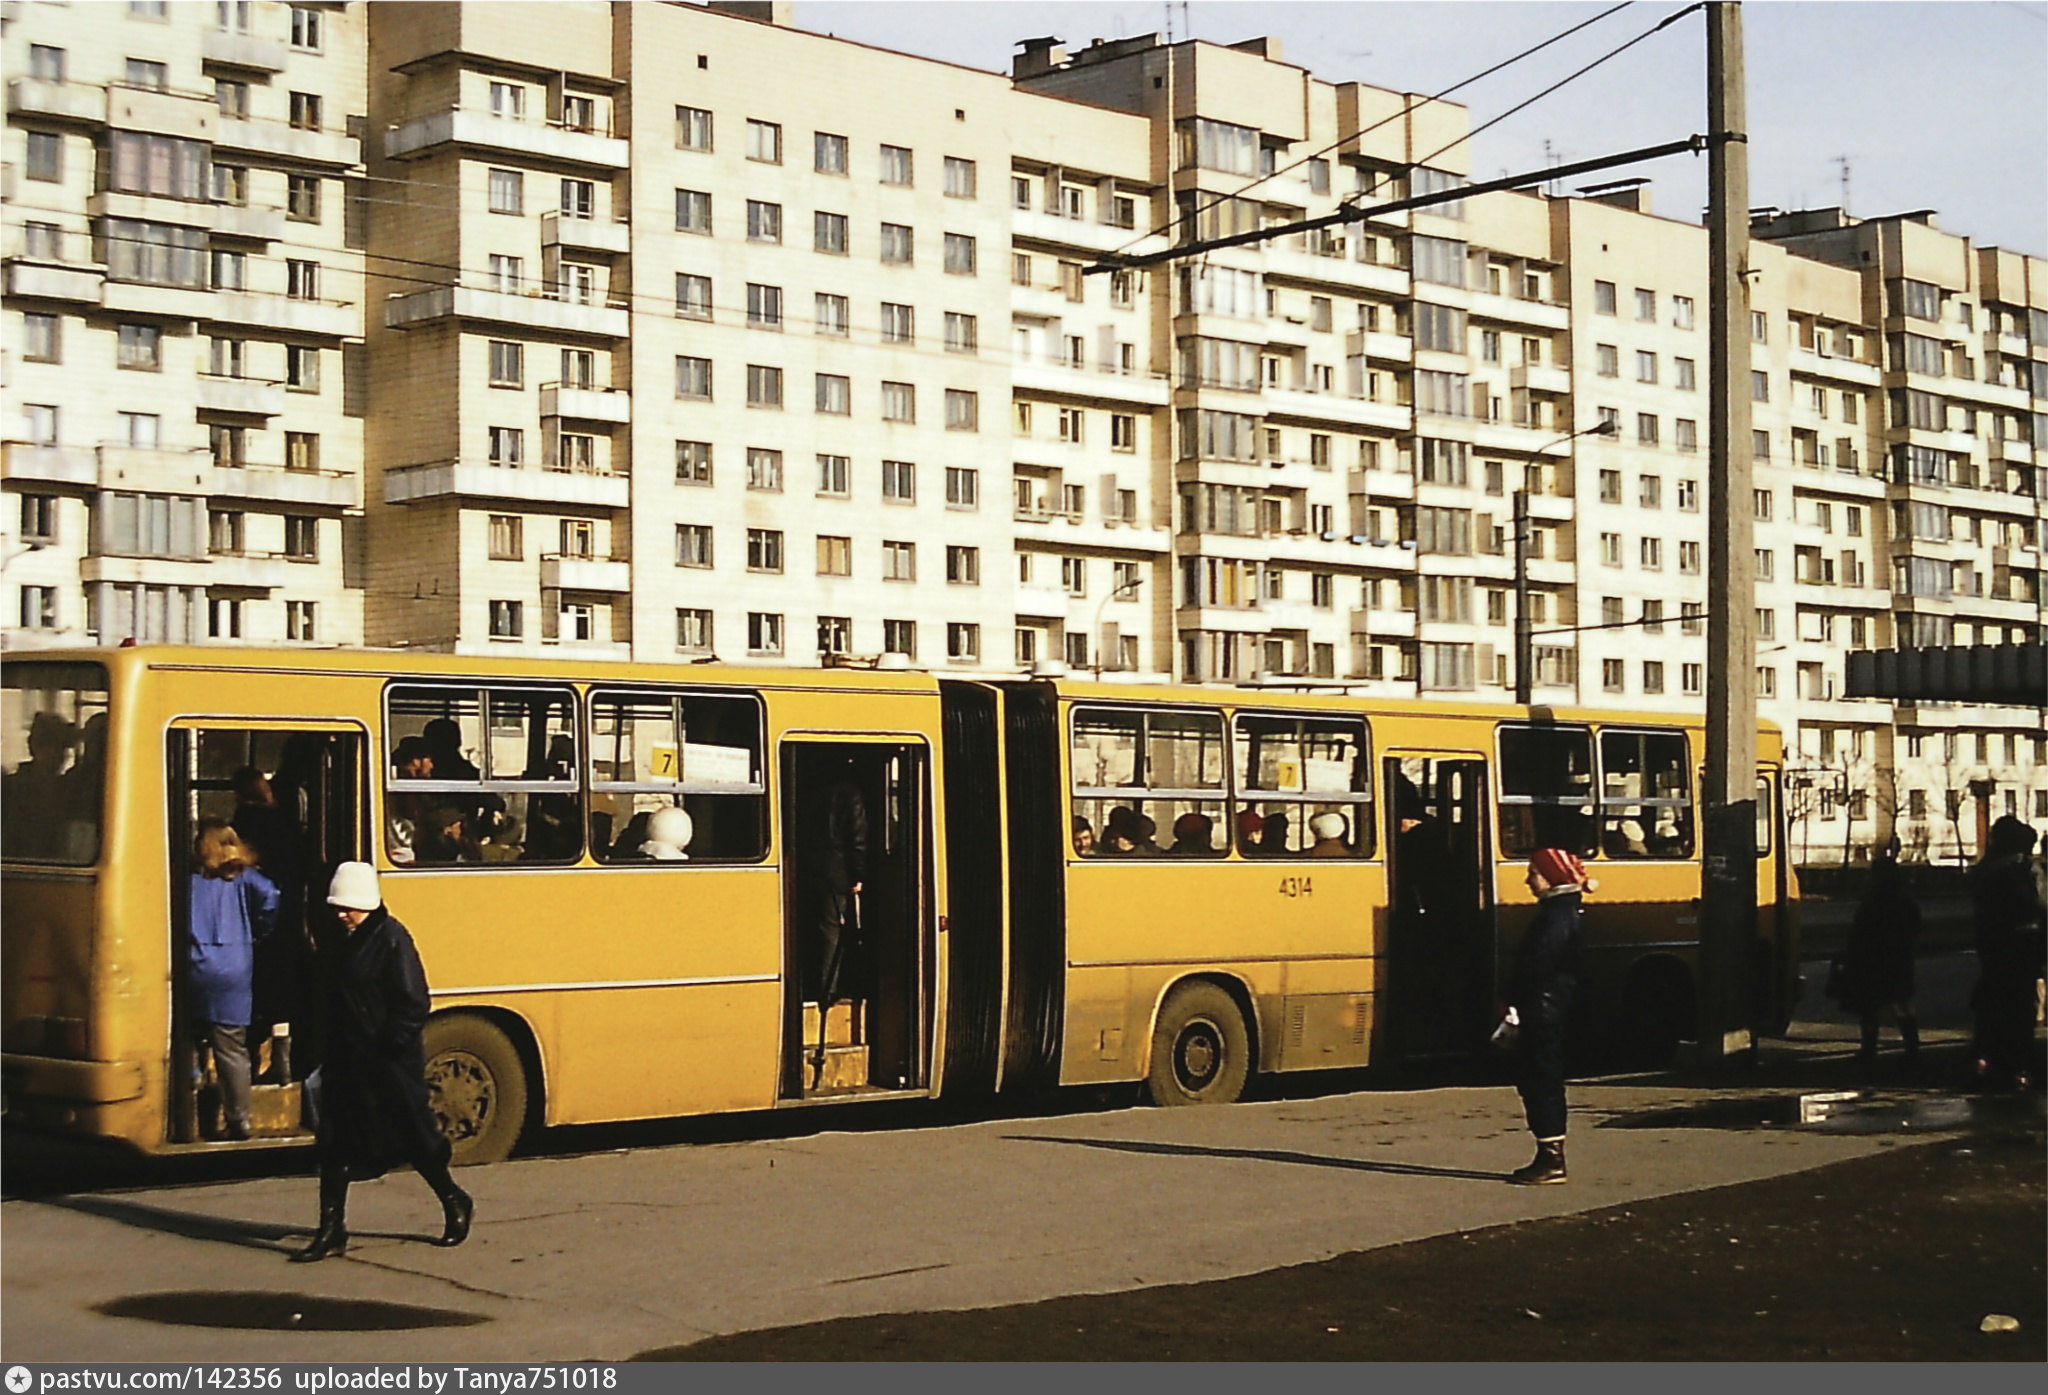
2014,450
1345,273
180,114
1539,377
462,479
160,302
28,280
254,397
1383,484
1383,624
1334,407
1548,508
57,101
251,571
534,310
259,572
258,224
242,51
1287,331
32,464
1371,344
613,236
480,130
141,470
613,405
152,208
328,319
1512,310
293,144
611,575
1809,363
1386,554
1521,440
270,484
1106,384
1554,571
615,651
1028,225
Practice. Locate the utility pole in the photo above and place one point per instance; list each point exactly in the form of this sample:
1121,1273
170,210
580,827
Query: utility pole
1525,643
1728,889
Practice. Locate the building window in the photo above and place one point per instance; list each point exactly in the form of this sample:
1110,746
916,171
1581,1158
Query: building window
1653,676
899,323
963,643
1766,682
304,110
764,306
140,346
232,98
899,402
1689,558
507,537
963,334
960,182
1603,298
963,410
835,634
1651,551
834,476
1613,675
1610,549
45,156
302,198
963,566
764,386
693,128
693,462
1761,504
960,259
764,470
302,279
693,545
963,487
764,633
508,447
828,153
764,221
693,296
45,63
896,165
764,142
39,518
306,28
693,211
899,482
302,620
1646,429
1646,366
147,74
828,232
898,244
693,630
223,618
764,549
225,530
1607,360
301,368
1760,386
693,378
833,314
835,556
900,637
899,561
834,394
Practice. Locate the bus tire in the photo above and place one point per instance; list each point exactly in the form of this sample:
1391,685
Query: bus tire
1201,1052
476,1086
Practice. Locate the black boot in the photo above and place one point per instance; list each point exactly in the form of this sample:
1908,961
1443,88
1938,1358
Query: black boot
1909,1034
457,1207
1869,1051
1546,1168
332,1237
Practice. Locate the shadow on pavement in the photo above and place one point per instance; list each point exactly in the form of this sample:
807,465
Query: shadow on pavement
252,1235
1279,1155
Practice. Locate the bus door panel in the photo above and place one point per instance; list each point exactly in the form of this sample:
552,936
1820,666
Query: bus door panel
1440,952
294,793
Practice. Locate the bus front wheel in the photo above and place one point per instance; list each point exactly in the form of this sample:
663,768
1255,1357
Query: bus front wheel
1201,1052
476,1085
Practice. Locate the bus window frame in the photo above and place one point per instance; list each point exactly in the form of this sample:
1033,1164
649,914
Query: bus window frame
1767,810
1601,803
677,693
1364,825
16,662
387,785
1137,795
1502,801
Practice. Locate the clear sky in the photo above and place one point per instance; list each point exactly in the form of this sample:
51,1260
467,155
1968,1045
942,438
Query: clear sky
1936,105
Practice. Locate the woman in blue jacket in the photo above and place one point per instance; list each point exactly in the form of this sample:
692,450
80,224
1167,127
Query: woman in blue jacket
1539,995
232,907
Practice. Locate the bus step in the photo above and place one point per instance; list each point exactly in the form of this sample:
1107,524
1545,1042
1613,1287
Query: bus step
846,1068
274,1109
846,1025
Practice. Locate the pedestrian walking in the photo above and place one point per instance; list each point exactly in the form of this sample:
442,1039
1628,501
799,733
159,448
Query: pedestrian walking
1539,995
1878,967
372,1102
233,908
2010,943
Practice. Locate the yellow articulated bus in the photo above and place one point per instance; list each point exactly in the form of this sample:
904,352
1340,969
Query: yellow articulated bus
1062,883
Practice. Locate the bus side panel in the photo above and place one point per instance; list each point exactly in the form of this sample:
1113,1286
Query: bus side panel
974,882
1038,910
673,1033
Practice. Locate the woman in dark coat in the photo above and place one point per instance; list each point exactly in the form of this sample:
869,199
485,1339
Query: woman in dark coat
1539,995
2009,954
1878,967
373,1101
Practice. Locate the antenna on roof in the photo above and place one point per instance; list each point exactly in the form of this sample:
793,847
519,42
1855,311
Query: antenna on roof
1843,161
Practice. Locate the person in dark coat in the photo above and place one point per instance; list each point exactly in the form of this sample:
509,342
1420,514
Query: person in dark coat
1879,961
832,852
272,832
233,908
1539,995
2009,954
374,1109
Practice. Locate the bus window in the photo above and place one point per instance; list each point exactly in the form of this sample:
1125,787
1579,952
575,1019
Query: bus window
1766,818
1546,789
481,775
1300,779
53,747
652,751
1645,802
1148,783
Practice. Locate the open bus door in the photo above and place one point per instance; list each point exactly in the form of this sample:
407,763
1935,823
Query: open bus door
319,818
1441,942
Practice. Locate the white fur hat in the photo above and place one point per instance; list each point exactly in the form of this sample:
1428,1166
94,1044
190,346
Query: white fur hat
671,826
354,887
1328,826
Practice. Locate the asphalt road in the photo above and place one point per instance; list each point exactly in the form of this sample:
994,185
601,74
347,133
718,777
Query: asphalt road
598,1250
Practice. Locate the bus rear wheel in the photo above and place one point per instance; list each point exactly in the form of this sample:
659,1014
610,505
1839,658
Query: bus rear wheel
1201,1052
476,1086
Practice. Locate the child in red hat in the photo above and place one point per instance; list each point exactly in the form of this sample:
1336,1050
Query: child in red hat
1539,994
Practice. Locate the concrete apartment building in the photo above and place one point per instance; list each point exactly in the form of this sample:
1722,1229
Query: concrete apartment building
653,331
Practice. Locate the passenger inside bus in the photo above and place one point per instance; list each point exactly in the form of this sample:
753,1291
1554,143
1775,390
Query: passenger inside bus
1130,833
444,836
36,790
1624,838
1193,835
1330,830
406,811
668,836
1273,836
1084,836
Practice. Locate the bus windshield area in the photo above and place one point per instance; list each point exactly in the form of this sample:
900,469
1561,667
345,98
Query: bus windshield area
53,762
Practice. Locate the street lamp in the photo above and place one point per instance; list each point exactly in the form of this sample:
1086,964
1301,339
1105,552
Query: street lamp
1096,633
1525,674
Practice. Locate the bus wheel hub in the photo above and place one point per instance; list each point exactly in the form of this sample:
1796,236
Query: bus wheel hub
464,1095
